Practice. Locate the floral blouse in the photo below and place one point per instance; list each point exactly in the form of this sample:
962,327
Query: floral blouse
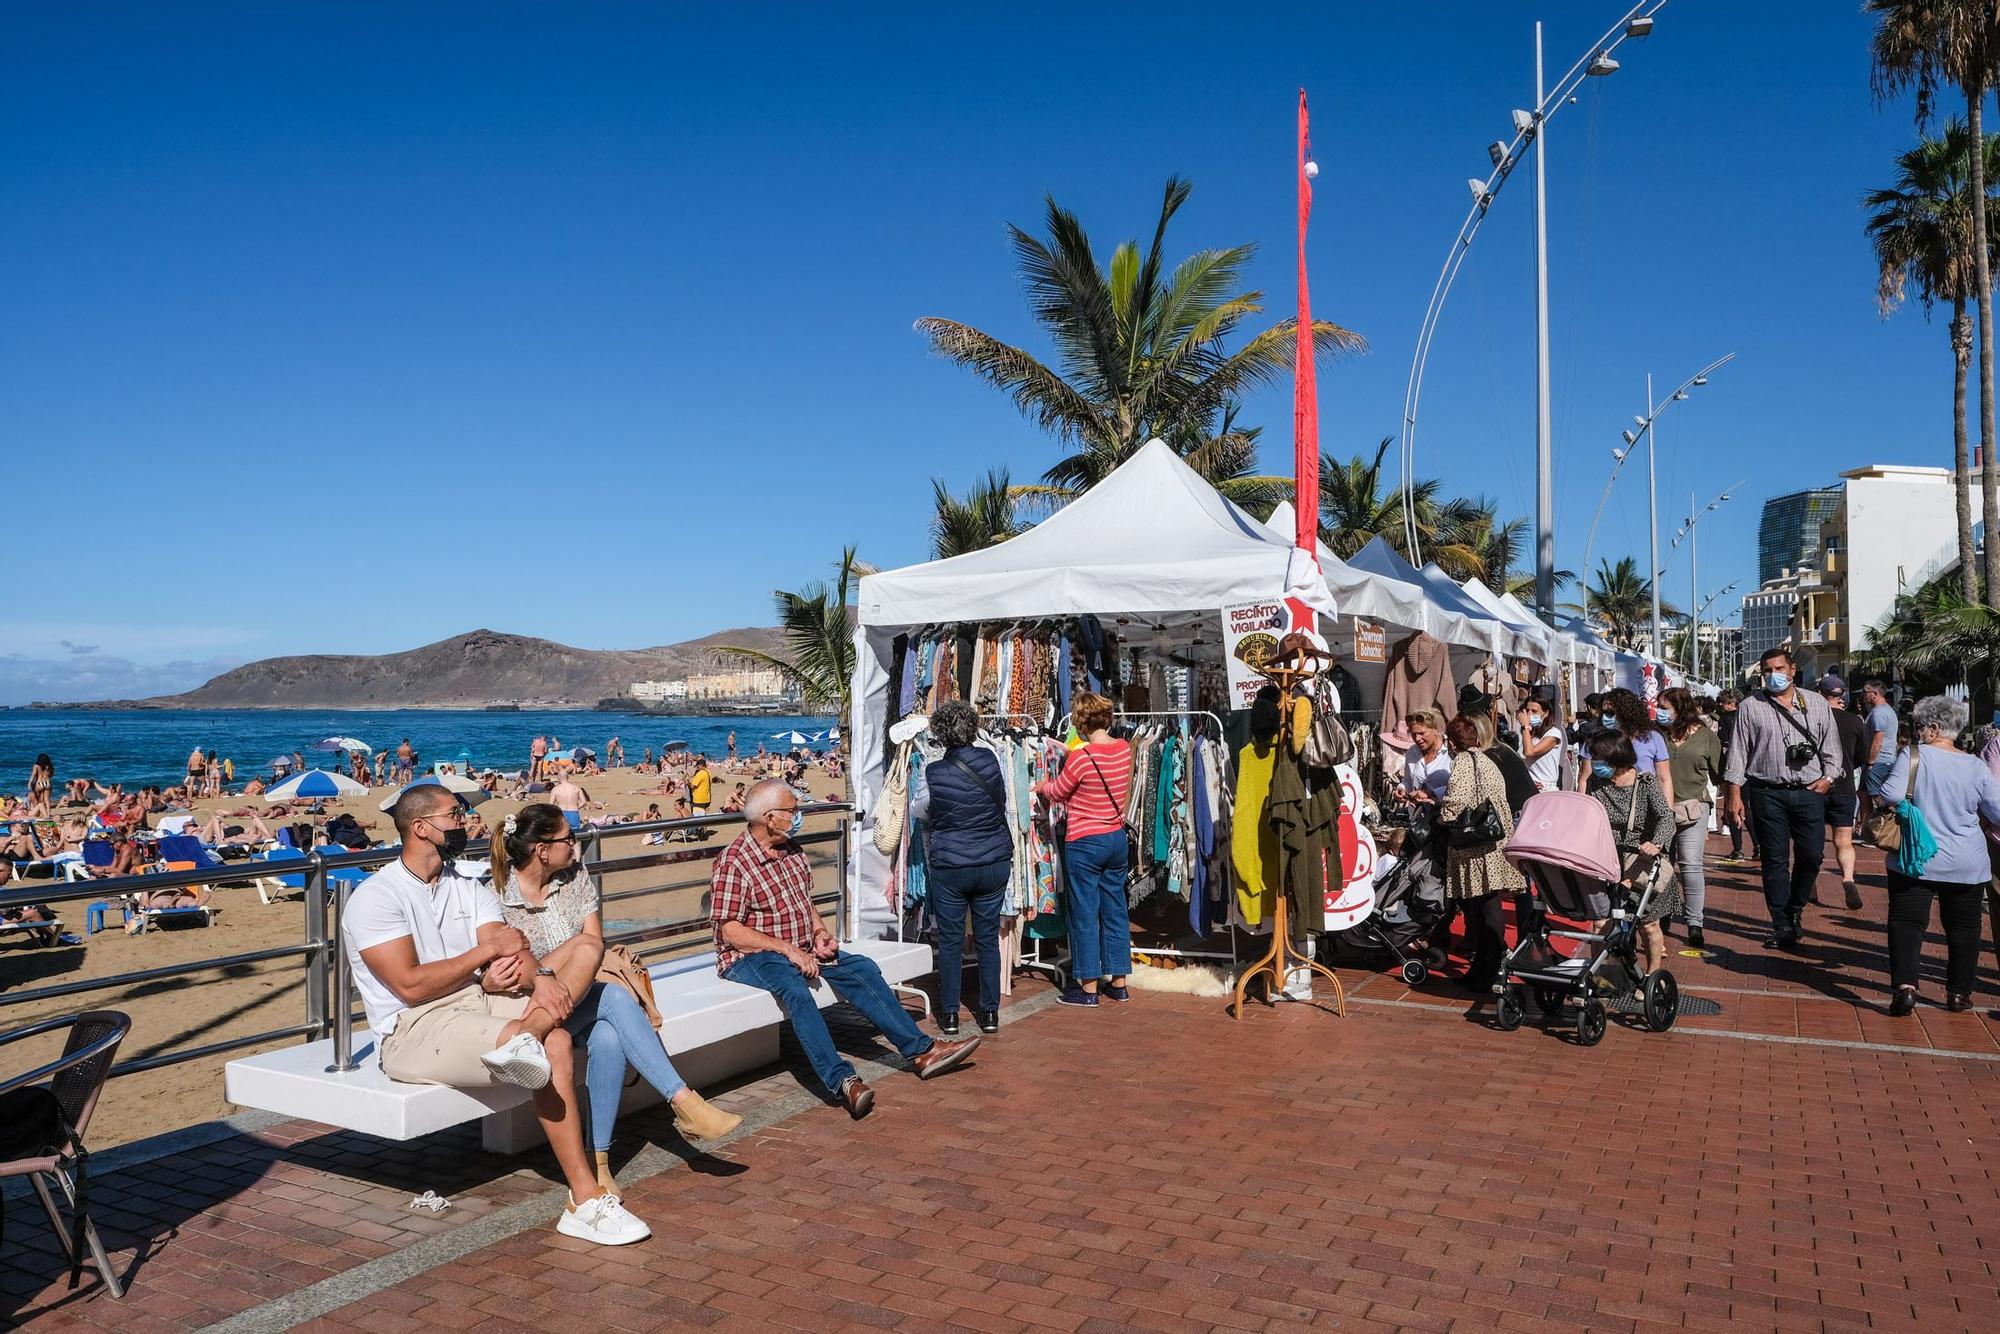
566,905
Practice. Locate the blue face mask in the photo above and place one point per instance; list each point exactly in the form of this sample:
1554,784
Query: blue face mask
1664,716
1601,768
1610,722
798,823
1777,682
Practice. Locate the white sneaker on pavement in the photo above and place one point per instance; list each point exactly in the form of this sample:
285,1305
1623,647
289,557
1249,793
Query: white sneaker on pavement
603,1220
519,1061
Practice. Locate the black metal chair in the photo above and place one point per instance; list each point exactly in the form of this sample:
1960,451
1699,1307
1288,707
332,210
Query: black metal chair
75,1079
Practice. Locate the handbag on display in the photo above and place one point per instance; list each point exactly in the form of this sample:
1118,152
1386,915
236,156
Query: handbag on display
894,807
1327,741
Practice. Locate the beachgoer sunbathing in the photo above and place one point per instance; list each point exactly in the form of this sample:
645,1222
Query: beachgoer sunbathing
22,913
254,788
20,844
219,835
128,857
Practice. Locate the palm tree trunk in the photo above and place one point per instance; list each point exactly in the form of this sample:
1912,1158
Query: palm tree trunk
1961,468
1989,471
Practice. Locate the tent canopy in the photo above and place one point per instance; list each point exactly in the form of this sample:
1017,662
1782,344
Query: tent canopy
1385,562
1153,537
1509,609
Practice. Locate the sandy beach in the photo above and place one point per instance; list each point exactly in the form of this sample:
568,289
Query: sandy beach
177,1013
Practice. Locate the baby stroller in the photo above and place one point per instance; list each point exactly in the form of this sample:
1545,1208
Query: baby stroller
1563,845
1409,901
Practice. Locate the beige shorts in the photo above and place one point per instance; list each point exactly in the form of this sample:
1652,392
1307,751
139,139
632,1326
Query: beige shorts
441,1042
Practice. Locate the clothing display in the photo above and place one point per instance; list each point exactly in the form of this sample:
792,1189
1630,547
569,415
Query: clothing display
1418,677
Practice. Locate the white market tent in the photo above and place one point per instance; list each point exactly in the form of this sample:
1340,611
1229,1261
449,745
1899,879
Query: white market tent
1563,645
1384,561
1152,540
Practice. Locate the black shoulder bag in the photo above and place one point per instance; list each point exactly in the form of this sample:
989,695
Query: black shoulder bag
1478,825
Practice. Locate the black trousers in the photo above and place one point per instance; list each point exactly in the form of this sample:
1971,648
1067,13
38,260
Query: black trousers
1485,932
1790,828
1910,917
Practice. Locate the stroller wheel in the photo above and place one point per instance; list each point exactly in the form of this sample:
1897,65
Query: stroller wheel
1511,1011
1549,999
1662,1001
1415,972
1590,1023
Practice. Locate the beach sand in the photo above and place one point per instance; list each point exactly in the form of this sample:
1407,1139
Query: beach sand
177,1013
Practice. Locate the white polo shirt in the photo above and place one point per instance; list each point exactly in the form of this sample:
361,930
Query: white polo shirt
441,920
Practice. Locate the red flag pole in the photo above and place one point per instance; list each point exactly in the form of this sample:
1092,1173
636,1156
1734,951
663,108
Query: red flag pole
1305,388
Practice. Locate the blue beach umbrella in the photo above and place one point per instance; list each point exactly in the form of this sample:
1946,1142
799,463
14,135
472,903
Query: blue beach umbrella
313,785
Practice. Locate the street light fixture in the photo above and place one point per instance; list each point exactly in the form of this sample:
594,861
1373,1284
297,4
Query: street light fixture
1645,425
1694,574
1636,22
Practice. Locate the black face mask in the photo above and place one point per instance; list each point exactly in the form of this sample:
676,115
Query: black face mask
453,846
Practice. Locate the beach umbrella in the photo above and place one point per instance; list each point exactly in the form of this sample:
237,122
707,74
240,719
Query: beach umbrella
583,752
790,738
833,734
314,784
341,743
557,755
468,792
673,745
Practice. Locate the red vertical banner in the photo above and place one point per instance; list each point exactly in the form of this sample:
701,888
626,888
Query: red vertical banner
1305,388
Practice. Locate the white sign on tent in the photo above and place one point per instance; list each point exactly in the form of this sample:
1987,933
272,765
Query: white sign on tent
1250,635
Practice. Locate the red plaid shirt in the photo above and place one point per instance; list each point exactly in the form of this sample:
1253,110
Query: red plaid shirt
766,891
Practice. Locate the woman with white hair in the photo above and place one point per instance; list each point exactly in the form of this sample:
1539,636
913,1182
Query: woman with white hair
1942,794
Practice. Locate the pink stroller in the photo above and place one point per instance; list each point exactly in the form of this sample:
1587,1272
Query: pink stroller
1563,844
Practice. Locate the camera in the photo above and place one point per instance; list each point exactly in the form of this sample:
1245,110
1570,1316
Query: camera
1800,753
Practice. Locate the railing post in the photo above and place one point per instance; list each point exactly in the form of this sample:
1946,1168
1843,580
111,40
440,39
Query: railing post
317,964
845,873
342,998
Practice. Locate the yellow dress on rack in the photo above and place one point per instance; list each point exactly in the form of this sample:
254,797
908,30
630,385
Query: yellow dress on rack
1253,843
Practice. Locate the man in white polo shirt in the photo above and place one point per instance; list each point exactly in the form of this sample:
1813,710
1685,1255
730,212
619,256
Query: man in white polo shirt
433,962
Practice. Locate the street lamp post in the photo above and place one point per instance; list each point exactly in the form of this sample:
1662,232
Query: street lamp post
1637,23
1644,426
1687,531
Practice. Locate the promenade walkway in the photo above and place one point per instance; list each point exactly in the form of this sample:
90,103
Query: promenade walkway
1798,1161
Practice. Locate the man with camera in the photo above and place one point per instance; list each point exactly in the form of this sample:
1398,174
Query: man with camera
1785,757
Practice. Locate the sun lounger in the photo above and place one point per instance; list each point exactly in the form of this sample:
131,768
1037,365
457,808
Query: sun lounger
153,917
174,824
272,887
185,852
54,929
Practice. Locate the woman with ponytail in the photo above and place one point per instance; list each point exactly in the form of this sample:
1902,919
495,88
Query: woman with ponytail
548,896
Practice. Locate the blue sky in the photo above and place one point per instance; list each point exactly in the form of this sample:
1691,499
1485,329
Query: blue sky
342,329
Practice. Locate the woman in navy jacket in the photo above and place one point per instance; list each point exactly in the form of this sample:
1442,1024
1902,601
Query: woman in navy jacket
969,850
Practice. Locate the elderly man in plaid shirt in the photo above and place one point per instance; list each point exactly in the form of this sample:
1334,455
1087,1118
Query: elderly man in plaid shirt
769,935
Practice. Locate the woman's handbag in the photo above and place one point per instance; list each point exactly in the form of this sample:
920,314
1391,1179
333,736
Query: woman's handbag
1478,825
1885,828
894,807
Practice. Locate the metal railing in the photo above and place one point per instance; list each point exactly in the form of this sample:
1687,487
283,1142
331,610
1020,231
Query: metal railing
328,984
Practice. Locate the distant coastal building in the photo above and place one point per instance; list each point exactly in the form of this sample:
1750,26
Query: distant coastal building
654,691
738,683
1788,532
1767,613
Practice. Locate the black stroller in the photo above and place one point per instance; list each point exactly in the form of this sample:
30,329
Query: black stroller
1563,844
1409,903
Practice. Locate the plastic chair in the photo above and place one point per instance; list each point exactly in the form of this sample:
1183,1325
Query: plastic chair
270,887
76,1079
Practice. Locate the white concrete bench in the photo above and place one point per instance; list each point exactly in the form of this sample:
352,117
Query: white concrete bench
712,1028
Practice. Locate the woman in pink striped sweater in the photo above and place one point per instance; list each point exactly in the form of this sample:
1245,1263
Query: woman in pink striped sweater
1094,783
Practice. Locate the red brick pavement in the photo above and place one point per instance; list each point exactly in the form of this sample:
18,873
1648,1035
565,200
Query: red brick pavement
1161,1166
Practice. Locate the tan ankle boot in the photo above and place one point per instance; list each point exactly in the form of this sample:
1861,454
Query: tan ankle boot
605,1181
697,1120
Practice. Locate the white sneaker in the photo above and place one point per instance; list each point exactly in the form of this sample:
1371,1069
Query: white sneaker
603,1220
519,1061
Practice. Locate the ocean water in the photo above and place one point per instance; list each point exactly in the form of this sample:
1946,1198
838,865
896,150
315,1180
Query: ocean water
136,747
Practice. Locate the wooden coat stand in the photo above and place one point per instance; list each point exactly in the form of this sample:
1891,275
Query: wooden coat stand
1282,956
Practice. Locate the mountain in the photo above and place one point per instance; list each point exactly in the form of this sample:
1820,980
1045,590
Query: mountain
466,671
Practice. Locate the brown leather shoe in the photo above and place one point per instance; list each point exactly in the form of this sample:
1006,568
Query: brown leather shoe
943,1056
857,1097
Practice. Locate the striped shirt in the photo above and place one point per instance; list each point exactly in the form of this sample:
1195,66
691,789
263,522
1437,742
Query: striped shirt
1095,806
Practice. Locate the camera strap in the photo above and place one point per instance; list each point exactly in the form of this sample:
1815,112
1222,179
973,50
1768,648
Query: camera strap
1800,728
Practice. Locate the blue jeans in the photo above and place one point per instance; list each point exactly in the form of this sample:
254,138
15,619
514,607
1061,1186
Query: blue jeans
1100,923
616,1032
953,890
856,980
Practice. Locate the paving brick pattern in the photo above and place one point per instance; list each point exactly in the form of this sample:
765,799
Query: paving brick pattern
1161,1166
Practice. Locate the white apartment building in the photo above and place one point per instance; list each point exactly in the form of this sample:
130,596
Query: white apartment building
656,691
